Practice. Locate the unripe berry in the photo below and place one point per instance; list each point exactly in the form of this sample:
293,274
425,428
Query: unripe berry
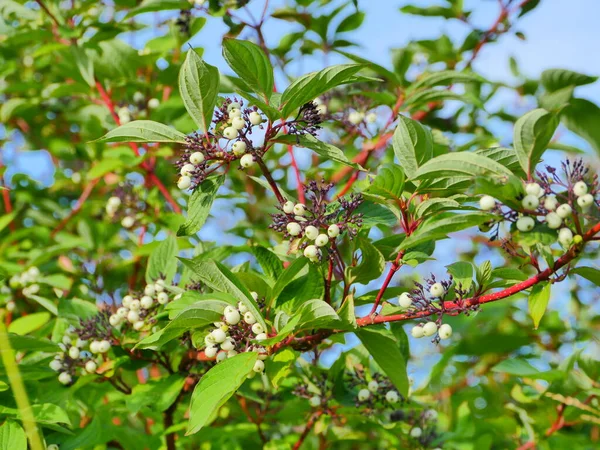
363,395
122,312
127,222
238,123
373,386
315,401
487,202
299,209
197,158
255,118
94,347
257,328
230,133
553,220
127,301
153,103
311,251
227,345
183,183
218,335
404,300
417,332
293,229
371,117
247,161
52,447
550,203
580,188
322,109
525,224
259,366
355,117
233,105
564,211
146,302
585,201
242,308
211,352
392,397
429,329
235,113
288,207
445,331
530,202
221,357
239,148
261,337
90,366
254,295
577,239
565,237
249,318
162,298
103,346
533,189
311,232
416,432
137,326
64,378
322,240
333,231
149,290
232,317
135,304
187,170
56,365
115,320
437,290
133,316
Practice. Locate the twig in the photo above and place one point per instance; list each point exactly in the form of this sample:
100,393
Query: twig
309,425
82,198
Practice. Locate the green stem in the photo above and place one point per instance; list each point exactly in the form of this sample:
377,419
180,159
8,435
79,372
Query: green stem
18,388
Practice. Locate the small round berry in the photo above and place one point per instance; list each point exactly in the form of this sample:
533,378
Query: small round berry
238,123
322,240
221,357
149,290
56,365
293,229
565,237
550,202
66,340
247,161
127,301
64,378
231,353
94,346
311,251
333,231
261,337
211,351
299,209
487,202
262,353
227,345
230,133
580,188
255,118
314,401
197,158
257,328
417,332
124,115
162,298
114,202
392,397
103,346
90,366
405,300
153,103
373,386
533,189
232,317
235,112
585,201
564,211
363,395
115,320
437,290
577,239
445,331
322,109
233,105
53,447
137,326
136,304
218,335
243,309
239,148
525,224
127,222
430,414
429,329
184,183
259,366
288,207
187,170
530,202
254,295
249,318
416,432
10,306
133,316
146,301
311,232
356,117
159,285
371,117
553,220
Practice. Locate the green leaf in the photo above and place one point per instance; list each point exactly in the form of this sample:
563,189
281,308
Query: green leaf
216,387
462,274
270,263
521,368
308,87
162,262
157,5
538,301
371,265
327,151
413,144
582,118
158,394
351,22
385,350
200,204
288,275
84,64
31,343
143,131
505,156
219,278
483,273
589,273
429,11
12,436
445,78
346,311
75,309
555,79
419,99
251,64
27,324
199,87
280,366
388,184
532,135
460,164
432,205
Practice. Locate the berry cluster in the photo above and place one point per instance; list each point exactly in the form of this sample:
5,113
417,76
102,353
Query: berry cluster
308,120
561,205
27,283
238,332
315,227
422,425
318,392
125,206
378,391
140,107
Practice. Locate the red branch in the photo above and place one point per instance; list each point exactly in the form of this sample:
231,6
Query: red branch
309,425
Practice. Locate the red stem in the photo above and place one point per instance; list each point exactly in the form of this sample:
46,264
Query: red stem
84,195
309,425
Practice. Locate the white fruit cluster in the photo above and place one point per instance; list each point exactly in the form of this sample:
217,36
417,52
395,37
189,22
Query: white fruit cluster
27,282
372,389
135,311
186,172
78,353
430,328
356,117
220,344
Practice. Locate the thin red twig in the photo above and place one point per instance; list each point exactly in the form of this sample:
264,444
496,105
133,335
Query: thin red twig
82,198
309,425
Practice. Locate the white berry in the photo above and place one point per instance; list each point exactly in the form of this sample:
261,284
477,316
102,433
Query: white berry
254,295
127,301
115,320
114,202
371,117
90,366
238,123
133,316
363,395
315,401
242,308
187,170
247,161
525,224
232,317
136,304
416,432
404,300
257,328
56,365
233,105
392,397
288,207
373,386
437,290
565,237
249,318
550,203
94,347
235,112
553,220
259,366
530,202
487,202
211,351
533,189
230,133
355,117
221,357
311,232
322,240
103,346
429,329
64,378
293,229
146,301
153,103
227,345
239,148
255,118
149,289
122,312
197,158
299,209
564,211
261,337
183,183
445,331
333,231
585,201
311,251
218,335
137,326
162,298
417,332
127,222
580,188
